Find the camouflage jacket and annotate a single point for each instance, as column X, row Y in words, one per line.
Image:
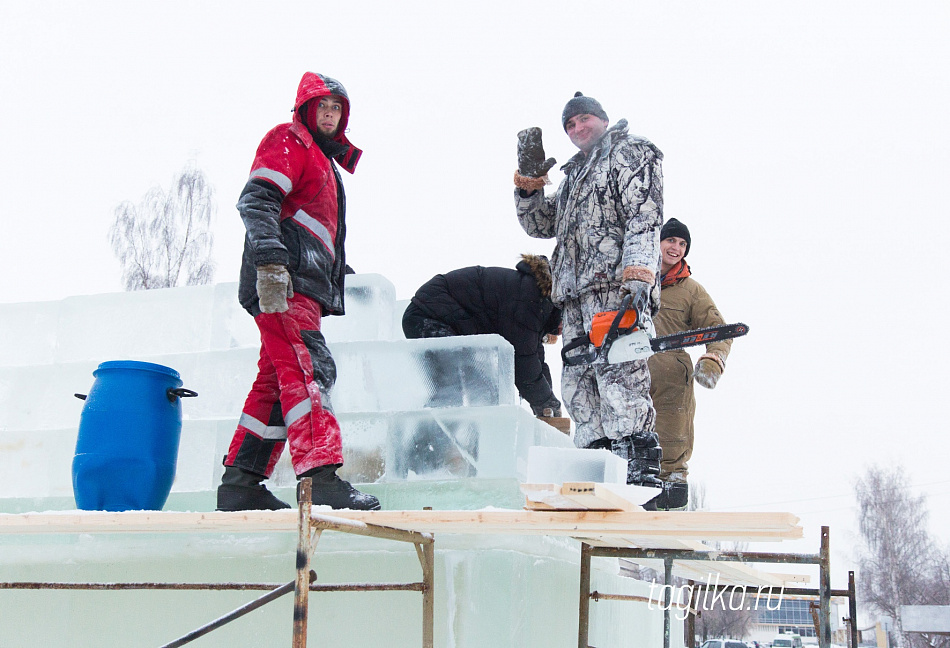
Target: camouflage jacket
column 606, row 215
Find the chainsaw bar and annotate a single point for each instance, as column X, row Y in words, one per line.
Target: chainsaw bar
column 698, row 336
column 624, row 340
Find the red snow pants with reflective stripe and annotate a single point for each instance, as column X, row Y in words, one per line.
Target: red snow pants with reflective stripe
column 289, row 400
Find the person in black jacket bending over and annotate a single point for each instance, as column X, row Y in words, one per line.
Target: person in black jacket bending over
column 515, row 304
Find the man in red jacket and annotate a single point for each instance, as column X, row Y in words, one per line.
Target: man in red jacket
column 292, row 272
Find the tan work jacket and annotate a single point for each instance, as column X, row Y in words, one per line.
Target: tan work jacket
column 684, row 305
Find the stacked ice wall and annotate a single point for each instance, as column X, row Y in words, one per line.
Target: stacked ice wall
column 425, row 423
column 410, row 410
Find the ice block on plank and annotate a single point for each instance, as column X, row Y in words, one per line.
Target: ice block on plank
column 558, row 465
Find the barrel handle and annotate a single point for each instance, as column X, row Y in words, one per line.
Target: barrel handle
column 180, row 392
column 80, row 396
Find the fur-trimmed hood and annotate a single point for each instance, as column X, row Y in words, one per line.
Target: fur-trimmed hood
column 538, row 265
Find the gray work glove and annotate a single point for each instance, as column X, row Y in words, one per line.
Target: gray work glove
column 531, row 161
column 273, row 287
column 707, row 372
column 641, row 302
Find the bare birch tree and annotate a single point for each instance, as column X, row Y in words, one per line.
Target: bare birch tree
column 167, row 237
column 898, row 563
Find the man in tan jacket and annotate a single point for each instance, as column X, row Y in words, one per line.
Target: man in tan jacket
column 684, row 305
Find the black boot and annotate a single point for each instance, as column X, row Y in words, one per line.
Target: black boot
column 643, row 459
column 241, row 490
column 329, row 490
column 675, row 497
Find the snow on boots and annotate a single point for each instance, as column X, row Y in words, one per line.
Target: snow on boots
column 329, row 490
column 242, row 490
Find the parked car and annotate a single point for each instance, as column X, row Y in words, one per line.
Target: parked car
column 787, row 641
column 724, row 643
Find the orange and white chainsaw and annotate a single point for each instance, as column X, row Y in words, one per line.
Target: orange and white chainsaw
column 618, row 336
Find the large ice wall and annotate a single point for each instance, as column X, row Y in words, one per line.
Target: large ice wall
column 397, row 425
column 405, row 441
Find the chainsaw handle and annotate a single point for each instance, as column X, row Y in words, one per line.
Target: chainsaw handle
column 580, row 359
column 612, row 333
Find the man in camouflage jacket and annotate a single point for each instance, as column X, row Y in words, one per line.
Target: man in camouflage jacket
column 606, row 217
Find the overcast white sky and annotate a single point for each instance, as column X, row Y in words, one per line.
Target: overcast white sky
column 806, row 148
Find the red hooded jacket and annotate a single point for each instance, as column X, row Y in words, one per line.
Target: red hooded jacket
column 293, row 205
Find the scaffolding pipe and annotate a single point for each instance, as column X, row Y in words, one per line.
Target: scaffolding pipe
column 356, row 527
column 268, row 587
column 791, row 591
column 583, row 616
column 231, row 616
column 667, row 599
column 633, row 598
column 690, row 629
column 428, row 593
column 302, row 583
column 824, row 587
column 724, row 556
column 244, row 587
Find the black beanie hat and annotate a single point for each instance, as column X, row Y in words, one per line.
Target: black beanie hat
column 675, row 228
column 581, row 105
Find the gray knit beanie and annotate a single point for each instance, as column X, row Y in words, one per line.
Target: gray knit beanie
column 581, row 105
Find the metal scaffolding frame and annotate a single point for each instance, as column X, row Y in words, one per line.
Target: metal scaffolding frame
column 310, row 526
column 824, row 591
column 425, row 550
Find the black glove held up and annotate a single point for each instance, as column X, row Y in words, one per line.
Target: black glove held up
column 531, row 161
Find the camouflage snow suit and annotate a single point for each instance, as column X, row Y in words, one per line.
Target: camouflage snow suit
column 606, row 215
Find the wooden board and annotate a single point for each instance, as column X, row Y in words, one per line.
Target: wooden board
column 561, row 423
column 548, row 497
column 644, row 525
column 585, row 496
column 597, row 496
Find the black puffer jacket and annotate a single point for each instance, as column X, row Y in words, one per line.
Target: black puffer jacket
column 515, row 304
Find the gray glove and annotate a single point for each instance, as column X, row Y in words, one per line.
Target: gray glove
column 273, row 287
column 707, row 372
column 640, row 302
column 531, row 162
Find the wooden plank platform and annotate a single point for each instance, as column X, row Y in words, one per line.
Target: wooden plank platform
column 644, row 529
column 646, row 526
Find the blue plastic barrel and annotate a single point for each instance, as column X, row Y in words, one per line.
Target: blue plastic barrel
column 127, row 448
